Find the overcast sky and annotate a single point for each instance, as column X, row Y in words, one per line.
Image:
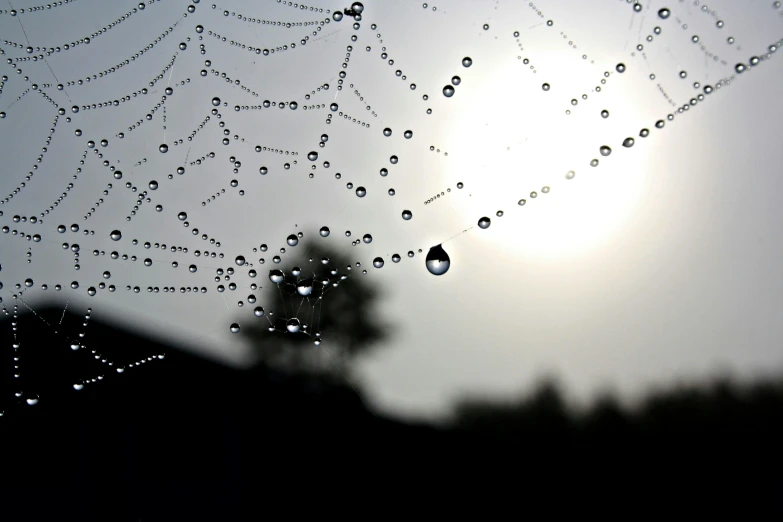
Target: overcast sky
column 660, row 264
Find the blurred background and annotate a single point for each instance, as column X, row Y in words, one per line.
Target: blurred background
column 162, row 159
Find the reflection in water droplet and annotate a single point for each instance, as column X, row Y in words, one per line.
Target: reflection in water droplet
column 437, row 260
column 305, row 287
column 484, row 222
column 292, row 325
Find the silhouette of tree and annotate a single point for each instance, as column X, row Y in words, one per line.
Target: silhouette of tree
column 343, row 316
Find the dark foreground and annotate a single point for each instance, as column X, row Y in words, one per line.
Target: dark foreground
column 185, row 439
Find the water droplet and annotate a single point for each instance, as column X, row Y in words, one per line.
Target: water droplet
column 545, row 86
column 216, row 101
column 276, row 276
column 361, row 191
column 659, row 124
column 293, row 325
column 163, row 148
column 570, row 174
column 448, row 91
column 620, row 67
column 456, row 80
column 312, row 155
column 407, row 214
column 605, row 150
column 408, row 134
column 486, row 27
column 467, row 61
column 258, row 311
column 193, row 269
column 116, row 235
column 305, row 287
column 604, row 113
column 377, row 262
column 182, row 216
column 628, row 142
column 460, row 185
column 79, row 385
column 437, row 260
column 484, row 222
column 234, row 328
column 644, row 133
column 367, row 238
column 32, row 400
column 594, row 162
column 396, row 258
column 740, row 68
column 324, row 231
column 239, row 260
column 337, row 16
column 664, row 13
column 387, row 132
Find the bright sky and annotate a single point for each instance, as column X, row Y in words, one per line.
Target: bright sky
column 660, row 264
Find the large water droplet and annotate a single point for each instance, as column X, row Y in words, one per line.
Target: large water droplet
column 484, row 222
column 664, row 13
column 437, row 260
column 292, row 325
column 276, row 276
column 116, row 235
column 163, row 148
column 448, row 91
column 239, row 260
column 628, row 142
column 377, row 262
column 292, row 240
column 324, row 231
column 235, row 328
column 467, row 61
column 312, row 155
column 605, row 150
column 407, row 214
column 305, row 287
column 361, row 191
